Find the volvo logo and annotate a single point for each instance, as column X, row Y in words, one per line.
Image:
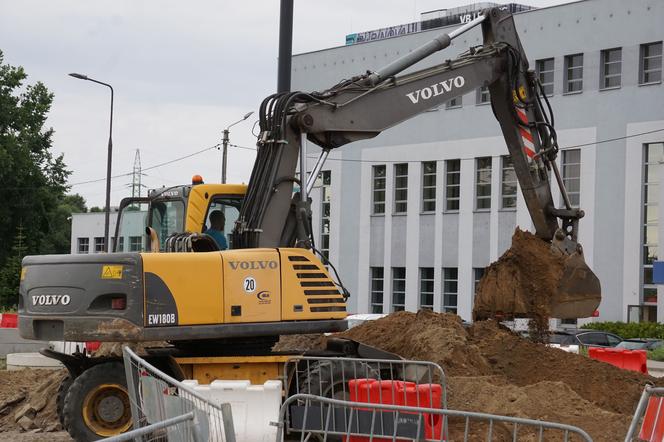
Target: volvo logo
column 253, row 265
column 51, row 300
column 436, row 89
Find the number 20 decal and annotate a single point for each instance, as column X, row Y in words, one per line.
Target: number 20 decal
column 249, row 284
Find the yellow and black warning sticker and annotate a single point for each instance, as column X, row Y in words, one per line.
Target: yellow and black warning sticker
column 111, row 272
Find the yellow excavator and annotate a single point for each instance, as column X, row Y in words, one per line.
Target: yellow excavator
column 272, row 281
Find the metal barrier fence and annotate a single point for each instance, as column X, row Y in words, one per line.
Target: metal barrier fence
column 330, row 419
column 331, row 377
column 645, row 423
column 163, row 408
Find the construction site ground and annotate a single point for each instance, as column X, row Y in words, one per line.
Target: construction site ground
column 488, row 368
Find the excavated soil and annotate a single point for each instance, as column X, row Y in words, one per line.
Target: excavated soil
column 490, row 369
column 31, row 395
column 521, row 282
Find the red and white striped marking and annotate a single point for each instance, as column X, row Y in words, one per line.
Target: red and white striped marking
column 526, row 136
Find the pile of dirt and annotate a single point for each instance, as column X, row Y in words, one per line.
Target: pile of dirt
column 28, row 400
column 299, row 343
column 522, row 281
column 438, row 338
column 492, row 370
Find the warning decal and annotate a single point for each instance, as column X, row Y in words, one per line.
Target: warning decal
column 111, row 272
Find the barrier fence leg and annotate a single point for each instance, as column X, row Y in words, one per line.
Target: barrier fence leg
column 131, row 390
column 640, row 408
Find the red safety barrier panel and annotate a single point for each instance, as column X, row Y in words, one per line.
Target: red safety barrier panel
column 652, row 428
column 399, row 393
column 91, row 346
column 634, row 360
column 9, row 320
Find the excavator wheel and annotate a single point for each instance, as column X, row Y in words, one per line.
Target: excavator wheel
column 328, row 379
column 60, row 398
column 97, row 404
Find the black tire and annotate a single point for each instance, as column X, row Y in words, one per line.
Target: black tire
column 330, row 379
column 60, row 398
column 327, row 378
column 97, row 404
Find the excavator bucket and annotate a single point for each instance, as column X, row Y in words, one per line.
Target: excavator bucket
column 579, row 292
column 537, row 279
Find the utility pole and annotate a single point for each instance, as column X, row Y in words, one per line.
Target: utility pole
column 224, row 158
column 285, row 46
column 224, row 141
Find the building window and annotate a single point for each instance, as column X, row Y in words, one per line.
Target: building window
column 426, row 288
column 135, row 243
column 573, row 73
column 483, row 96
column 378, row 190
column 478, row 273
column 544, row 69
column 483, row 183
column 450, row 289
column 452, row 185
column 650, row 64
column 326, row 176
column 571, row 165
column 83, row 245
column 377, row 274
column 428, row 186
column 99, row 244
column 454, row 103
column 653, row 155
column 119, row 246
column 398, row 289
column 401, row 188
column 611, row 68
column 508, row 183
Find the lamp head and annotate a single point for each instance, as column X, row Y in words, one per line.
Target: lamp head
column 247, row 115
column 79, row 76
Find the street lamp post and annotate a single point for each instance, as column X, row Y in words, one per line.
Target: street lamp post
column 107, row 210
column 224, row 157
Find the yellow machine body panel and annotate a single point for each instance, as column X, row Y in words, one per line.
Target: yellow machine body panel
column 183, row 288
column 308, row 292
column 257, row 369
column 199, row 200
column 238, row 286
column 252, row 283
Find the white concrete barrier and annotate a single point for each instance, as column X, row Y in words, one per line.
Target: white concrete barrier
column 254, row 406
column 19, row 361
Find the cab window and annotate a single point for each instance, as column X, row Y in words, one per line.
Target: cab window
column 167, row 217
column 593, row 339
column 220, row 220
column 131, row 228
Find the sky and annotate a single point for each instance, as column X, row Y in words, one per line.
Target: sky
column 181, row 71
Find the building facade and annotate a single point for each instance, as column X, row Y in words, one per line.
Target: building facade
column 412, row 217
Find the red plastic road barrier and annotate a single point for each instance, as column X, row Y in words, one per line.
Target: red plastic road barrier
column 373, row 391
column 652, row 428
column 634, row 360
column 8, row 320
column 91, row 346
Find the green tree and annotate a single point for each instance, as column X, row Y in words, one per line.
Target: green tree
column 33, row 180
column 10, row 273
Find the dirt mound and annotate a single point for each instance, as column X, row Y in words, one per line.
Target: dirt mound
column 493, row 370
column 428, row 336
column 299, row 343
column 27, row 399
column 522, row 281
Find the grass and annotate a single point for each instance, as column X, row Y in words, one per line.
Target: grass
column 656, row 354
column 3, row 363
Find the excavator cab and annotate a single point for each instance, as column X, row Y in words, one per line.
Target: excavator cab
column 146, row 223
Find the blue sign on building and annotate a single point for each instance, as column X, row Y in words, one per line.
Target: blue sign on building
column 658, row 272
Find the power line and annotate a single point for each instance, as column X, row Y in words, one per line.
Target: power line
column 151, row 167
column 608, row 140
